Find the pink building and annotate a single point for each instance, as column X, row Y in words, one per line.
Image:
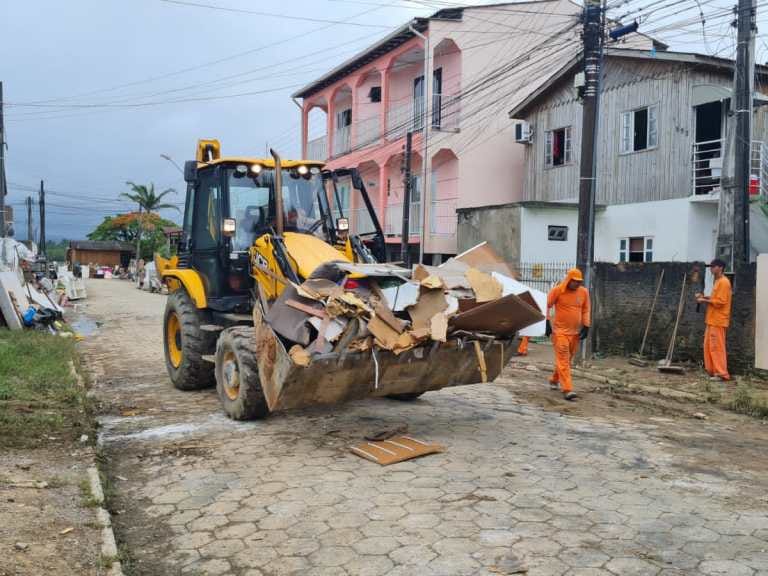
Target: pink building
column 480, row 61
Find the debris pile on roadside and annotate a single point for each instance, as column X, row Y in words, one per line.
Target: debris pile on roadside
column 346, row 307
column 27, row 299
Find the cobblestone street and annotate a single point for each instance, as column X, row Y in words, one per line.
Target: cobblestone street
column 517, row 487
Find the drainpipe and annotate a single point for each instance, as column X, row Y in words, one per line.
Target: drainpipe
column 425, row 137
column 304, row 136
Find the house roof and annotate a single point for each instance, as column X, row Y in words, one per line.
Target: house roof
column 570, row 67
column 100, row 245
column 383, row 46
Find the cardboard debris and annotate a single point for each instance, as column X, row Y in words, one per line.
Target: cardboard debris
column 361, row 345
column 307, row 309
column 430, row 303
column 485, row 286
column 387, row 316
column 451, row 273
column 432, row 282
column 503, row 316
column 395, row 449
column 386, row 336
column 299, row 355
column 438, row 327
column 319, row 288
column 401, row 297
column 485, row 258
column 379, row 269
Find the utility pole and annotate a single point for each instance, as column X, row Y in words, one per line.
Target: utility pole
column 3, row 187
column 41, row 202
column 407, row 183
column 30, row 238
column 593, row 49
column 742, row 91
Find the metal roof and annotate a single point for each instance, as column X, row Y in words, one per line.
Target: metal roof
column 101, row 245
column 383, row 46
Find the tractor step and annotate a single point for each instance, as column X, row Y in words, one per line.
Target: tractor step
column 209, row 358
column 211, row 327
column 237, row 318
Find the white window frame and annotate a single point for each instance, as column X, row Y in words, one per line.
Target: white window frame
column 567, row 147
column 627, row 129
column 648, row 246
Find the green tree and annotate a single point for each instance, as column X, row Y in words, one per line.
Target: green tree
column 125, row 228
column 148, row 202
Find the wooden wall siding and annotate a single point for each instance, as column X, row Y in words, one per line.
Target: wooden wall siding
column 96, row 257
column 659, row 174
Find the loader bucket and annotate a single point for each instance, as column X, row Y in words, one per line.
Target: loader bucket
column 334, row 378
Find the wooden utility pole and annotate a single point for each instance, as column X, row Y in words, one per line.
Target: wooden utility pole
column 3, row 186
column 41, row 203
column 593, row 48
column 30, row 237
column 407, row 183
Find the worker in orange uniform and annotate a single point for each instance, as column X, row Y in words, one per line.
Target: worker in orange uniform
column 571, row 324
column 717, row 319
column 522, row 349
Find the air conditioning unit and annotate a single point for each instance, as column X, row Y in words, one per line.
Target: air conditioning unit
column 523, row 133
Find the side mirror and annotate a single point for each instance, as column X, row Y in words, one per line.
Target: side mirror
column 229, row 226
column 342, row 224
column 190, row 171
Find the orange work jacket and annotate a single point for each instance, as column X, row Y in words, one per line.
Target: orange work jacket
column 572, row 309
column 719, row 307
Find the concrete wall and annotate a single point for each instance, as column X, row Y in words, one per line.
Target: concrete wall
column 682, row 231
column 535, row 245
column 497, row 225
column 622, row 300
column 761, row 328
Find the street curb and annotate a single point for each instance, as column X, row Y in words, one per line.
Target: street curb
column 109, row 552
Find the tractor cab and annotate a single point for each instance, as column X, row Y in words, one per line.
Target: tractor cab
column 233, row 212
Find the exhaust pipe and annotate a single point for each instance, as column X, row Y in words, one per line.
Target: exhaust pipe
column 278, row 192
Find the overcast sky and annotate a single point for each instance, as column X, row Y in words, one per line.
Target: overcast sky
column 76, row 54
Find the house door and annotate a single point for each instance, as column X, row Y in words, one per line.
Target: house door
column 418, row 102
column 708, row 147
column 437, row 97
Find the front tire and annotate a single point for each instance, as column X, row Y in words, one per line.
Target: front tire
column 237, row 375
column 186, row 344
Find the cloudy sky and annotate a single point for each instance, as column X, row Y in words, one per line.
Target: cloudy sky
column 97, row 90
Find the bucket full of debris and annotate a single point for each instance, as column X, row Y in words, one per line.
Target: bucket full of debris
column 355, row 330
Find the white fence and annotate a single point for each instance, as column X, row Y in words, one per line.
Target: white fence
column 342, row 141
column 367, row 131
column 442, row 217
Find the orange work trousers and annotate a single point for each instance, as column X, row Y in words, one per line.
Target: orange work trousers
column 522, row 350
column 715, row 357
column 564, row 347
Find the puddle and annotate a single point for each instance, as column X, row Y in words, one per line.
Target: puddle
column 213, row 423
column 85, row 326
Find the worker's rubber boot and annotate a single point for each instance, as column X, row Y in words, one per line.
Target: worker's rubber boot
column 554, row 385
column 570, row 396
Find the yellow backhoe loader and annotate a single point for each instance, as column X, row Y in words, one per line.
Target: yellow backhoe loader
column 264, row 237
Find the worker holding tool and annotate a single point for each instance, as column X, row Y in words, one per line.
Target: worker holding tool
column 571, row 324
column 717, row 319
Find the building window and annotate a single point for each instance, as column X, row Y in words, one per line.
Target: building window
column 637, row 249
column 558, row 147
column 557, row 233
column 639, row 129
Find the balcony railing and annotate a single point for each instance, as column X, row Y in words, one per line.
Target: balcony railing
column 342, row 141
column 393, row 219
column 368, row 131
column 402, row 117
column 360, row 221
column 442, row 217
column 446, row 112
column 707, row 165
column 317, row 149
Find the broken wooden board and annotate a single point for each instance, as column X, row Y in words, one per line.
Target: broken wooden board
column 394, row 450
column 299, row 355
column 430, row 303
column 386, row 336
column 451, row 274
column 485, row 286
column 438, row 327
column 289, row 322
column 504, row 316
column 386, row 315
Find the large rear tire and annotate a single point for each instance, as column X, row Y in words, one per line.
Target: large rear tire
column 186, row 344
column 237, row 375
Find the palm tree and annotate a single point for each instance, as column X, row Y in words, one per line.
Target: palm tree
column 148, row 201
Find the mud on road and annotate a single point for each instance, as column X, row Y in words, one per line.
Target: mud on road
column 525, row 480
